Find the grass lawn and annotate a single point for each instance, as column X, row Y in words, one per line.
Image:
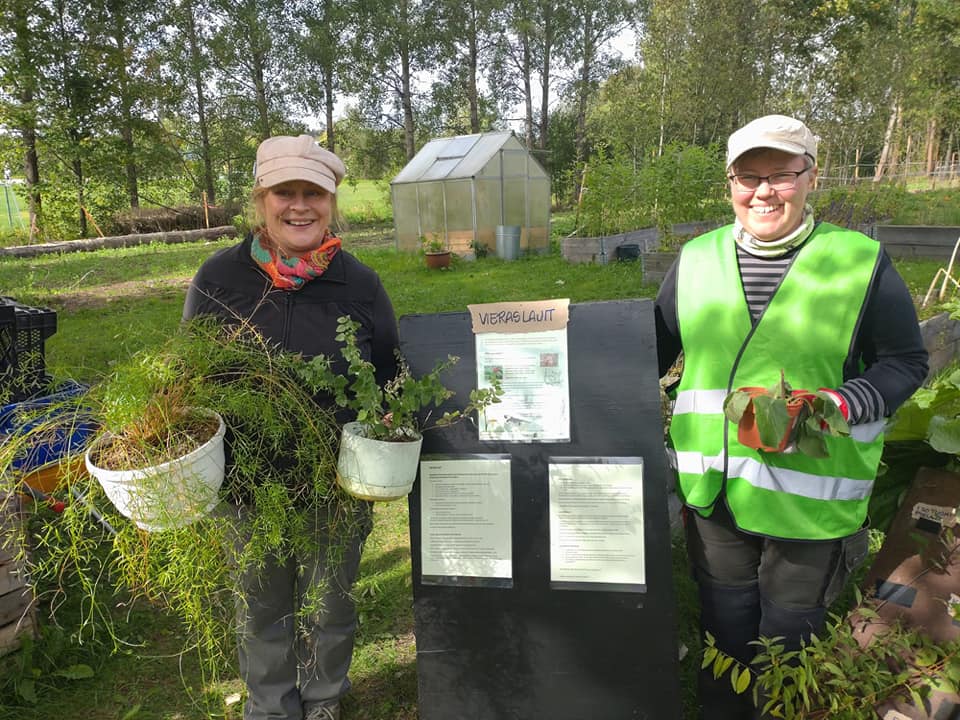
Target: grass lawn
column 111, row 303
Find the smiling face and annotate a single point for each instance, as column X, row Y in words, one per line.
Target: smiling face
column 765, row 213
column 296, row 215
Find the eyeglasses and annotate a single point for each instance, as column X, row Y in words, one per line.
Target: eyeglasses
column 777, row 181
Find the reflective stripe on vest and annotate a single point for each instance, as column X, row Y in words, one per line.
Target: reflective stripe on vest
column 806, row 330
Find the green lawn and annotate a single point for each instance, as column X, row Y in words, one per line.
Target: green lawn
column 13, row 216
column 111, row 303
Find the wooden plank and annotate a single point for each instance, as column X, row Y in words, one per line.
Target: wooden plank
column 11, row 578
column 120, row 241
column 12, row 634
column 15, row 605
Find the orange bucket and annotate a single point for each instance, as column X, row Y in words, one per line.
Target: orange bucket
column 48, row 478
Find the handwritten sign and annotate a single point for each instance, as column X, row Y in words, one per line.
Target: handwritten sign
column 520, row 317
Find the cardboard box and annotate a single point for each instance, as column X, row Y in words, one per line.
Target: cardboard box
column 917, row 579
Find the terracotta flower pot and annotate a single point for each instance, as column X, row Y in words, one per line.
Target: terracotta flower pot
column 436, row 260
column 749, row 435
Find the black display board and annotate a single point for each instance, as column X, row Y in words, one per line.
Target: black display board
column 530, row 651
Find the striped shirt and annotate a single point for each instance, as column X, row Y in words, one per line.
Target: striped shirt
column 761, row 277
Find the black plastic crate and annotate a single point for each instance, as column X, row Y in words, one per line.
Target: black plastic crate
column 23, row 331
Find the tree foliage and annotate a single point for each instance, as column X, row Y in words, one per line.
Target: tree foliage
column 106, row 106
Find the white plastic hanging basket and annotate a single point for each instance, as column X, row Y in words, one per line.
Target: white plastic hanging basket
column 375, row 469
column 169, row 495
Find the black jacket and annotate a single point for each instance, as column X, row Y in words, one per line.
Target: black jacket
column 230, row 285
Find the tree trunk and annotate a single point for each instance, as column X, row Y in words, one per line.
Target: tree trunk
column 31, row 172
column 580, row 140
column 328, row 90
column 527, row 89
column 545, row 74
column 23, row 42
column 933, row 138
column 260, row 87
column 884, row 163
column 81, row 199
column 196, row 64
column 328, row 101
column 472, row 61
column 126, row 116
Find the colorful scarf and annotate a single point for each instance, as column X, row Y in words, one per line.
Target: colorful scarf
column 778, row 247
column 292, row 273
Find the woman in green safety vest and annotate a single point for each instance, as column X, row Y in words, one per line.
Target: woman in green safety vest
column 773, row 537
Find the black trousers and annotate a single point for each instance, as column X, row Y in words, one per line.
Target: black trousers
column 751, row 586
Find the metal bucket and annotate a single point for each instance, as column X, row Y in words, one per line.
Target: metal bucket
column 508, row 242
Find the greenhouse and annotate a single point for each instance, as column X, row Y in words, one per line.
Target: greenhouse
column 471, row 191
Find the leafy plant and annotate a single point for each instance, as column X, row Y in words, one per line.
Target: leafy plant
column 836, row 675
column 390, row 413
column 480, row 249
column 808, row 417
column 932, row 414
column 432, row 244
column 282, row 449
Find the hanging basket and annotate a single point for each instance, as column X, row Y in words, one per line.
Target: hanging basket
column 376, row 469
column 168, row 495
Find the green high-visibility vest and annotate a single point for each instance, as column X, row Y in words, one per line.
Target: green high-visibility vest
column 806, row 330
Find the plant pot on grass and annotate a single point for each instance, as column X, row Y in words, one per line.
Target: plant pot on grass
column 379, row 451
column 778, row 418
column 437, row 260
column 435, row 253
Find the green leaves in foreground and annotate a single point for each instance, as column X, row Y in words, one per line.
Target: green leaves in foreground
column 833, row 676
column 932, row 414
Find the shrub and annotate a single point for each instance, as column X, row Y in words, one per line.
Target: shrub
column 683, row 184
column 854, row 206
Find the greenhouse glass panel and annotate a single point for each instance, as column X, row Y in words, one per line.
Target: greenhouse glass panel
column 406, row 217
column 514, row 163
column 430, row 196
column 515, row 202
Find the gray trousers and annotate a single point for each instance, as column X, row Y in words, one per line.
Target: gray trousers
column 291, row 663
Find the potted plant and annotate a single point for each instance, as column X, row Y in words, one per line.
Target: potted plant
column 280, row 471
column 380, row 449
column 435, row 252
column 772, row 419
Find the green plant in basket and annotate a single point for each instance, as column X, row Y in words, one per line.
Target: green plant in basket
column 280, row 473
column 390, row 413
column 380, row 449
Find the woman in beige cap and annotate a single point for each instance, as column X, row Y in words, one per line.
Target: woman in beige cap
column 291, row 279
column 773, row 537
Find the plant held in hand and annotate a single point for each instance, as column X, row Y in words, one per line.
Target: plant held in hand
column 779, row 418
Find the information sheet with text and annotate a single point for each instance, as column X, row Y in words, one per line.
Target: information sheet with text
column 596, row 522
column 466, row 518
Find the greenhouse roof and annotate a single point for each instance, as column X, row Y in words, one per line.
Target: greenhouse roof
column 451, row 158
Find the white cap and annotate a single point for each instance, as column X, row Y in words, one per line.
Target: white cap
column 773, row 131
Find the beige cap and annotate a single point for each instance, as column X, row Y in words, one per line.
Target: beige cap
column 773, row 131
column 284, row 158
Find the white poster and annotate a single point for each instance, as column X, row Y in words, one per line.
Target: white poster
column 532, row 370
column 596, row 522
column 524, row 347
column 465, row 512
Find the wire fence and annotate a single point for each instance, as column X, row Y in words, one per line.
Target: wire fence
column 945, row 172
